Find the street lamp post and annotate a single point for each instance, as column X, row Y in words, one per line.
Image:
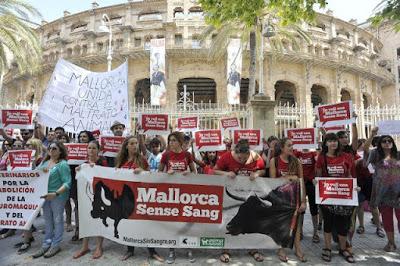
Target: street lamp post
column 266, row 31
column 105, row 28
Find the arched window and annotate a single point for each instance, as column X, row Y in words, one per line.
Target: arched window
column 203, row 89
column 285, row 92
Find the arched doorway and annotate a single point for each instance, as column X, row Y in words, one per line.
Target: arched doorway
column 318, row 95
column 203, row 89
column 345, row 95
column 142, row 91
column 285, row 92
column 244, row 90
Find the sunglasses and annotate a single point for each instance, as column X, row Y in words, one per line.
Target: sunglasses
column 53, row 148
column 17, row 146
column 387, row 141
column 25, row 134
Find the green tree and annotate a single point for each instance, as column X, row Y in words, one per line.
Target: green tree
column 246, row 18
column 387, row 10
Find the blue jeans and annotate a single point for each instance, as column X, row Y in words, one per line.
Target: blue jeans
column 53, row 212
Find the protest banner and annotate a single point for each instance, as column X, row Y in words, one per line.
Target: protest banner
column 254, row 136
column 20, row 160
column 234, row 69
column 192, row 211
column 78, row 99
column 335, row 114
column 12, row 119
column 334, row 129
column 154, row 124
column 209, row 140
column 77, row 153
column 187, row 124
column 336, row 191
column 158, row 90
column 230, row 123
column 20, row 201
column 389, row 127
column 303, row 138
column 111, row 145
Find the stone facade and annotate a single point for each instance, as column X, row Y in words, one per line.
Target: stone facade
column 340, row 63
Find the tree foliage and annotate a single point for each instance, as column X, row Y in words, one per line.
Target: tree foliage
column 19, row 43
column 387, row 10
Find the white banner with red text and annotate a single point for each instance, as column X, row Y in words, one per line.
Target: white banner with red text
column 336, row 191
column 192, row 211
column 20, row 201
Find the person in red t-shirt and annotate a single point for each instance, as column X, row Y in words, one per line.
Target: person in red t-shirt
column 286, row 165
column 333, row 163
column 241, row 161
column 308, row 159
column 208, row 162
column 130, row 157
column 176, row 159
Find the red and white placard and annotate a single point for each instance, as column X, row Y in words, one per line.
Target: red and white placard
column 111, row 145
column 335, row 114
column 254, row 136
column 209, row 140
column 21, row 119
column 336, row 191
column 77, row 153
column 20, row 160
column 230, row 123
column 96, row 134
column 303, row 138
column 335, row 129
column 154, row 124
column 187, row 124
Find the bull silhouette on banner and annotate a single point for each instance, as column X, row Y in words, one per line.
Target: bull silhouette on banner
column 273, row 214
column 106, row 205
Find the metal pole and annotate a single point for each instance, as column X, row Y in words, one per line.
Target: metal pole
column 184, row 97
column 261, row 63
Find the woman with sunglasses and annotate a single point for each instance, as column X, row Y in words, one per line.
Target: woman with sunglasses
column 53, row 207
column 130, row 157
column 93, row 150
column 386, row 183
column 332, row 162
column 241, row 161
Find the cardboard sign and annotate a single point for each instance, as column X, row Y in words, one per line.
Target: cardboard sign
column 336, row 191
column 21, row 119
column 254, row 136
column 111, row 145
column 96, row 134
column 335, row 114
column 389, row 127
column 230, row 123
column 187, row 124
column 77, row 153
column 154, row 124
column 20, row 159
column 209, row 140
column 335, row 129
column 303, row 138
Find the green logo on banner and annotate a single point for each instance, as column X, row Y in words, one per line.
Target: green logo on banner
column 212, row 242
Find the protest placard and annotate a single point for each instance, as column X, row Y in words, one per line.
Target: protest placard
column 154, row 124
column 303, row 138
column 254, row 137
column 336, row 191
column 335, row 114
column 20, row 160
column 187, row 124
column 230, row 123
column 111, row 145
column 77, row 153
column 11, row 119
column 209, row 140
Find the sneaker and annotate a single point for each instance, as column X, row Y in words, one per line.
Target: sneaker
column 171, row 257
column 40, row 252
column 190, row 256
column 51, row 252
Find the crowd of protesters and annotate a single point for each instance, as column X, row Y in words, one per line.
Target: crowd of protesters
column 337, row 157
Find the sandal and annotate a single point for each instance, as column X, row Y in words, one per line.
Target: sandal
column 347, row 255
column 389, row 247
column 282, row 257
column 256, row 255
column 301, row 258
column 360, row 230
column 326, row 254
column 225, row 257
column 24, row 248
column 315, row 238
column 81, row 253
column 380, row 233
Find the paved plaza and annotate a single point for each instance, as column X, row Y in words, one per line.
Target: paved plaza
column 367, row 247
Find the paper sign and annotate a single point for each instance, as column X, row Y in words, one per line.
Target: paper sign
column 187, row 124
column 111, row 145
column 336, row 191
column 335, row 129
column 230, row 123
column 77, row 153
column 335, row 114
column 209, row 140
column 154, row 124
column 96, row 134
column 303, row 138
column 389, row 127
column 254, row 137
column 20, row 159
column 21, row 119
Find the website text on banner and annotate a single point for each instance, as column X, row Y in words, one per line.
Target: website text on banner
column 20, row 201
column 192, row 211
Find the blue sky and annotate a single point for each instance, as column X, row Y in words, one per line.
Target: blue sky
column 344, row 9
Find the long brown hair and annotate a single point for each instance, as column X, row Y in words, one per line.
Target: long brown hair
column 293, row 162
column 123, row 155
column 63, row 151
